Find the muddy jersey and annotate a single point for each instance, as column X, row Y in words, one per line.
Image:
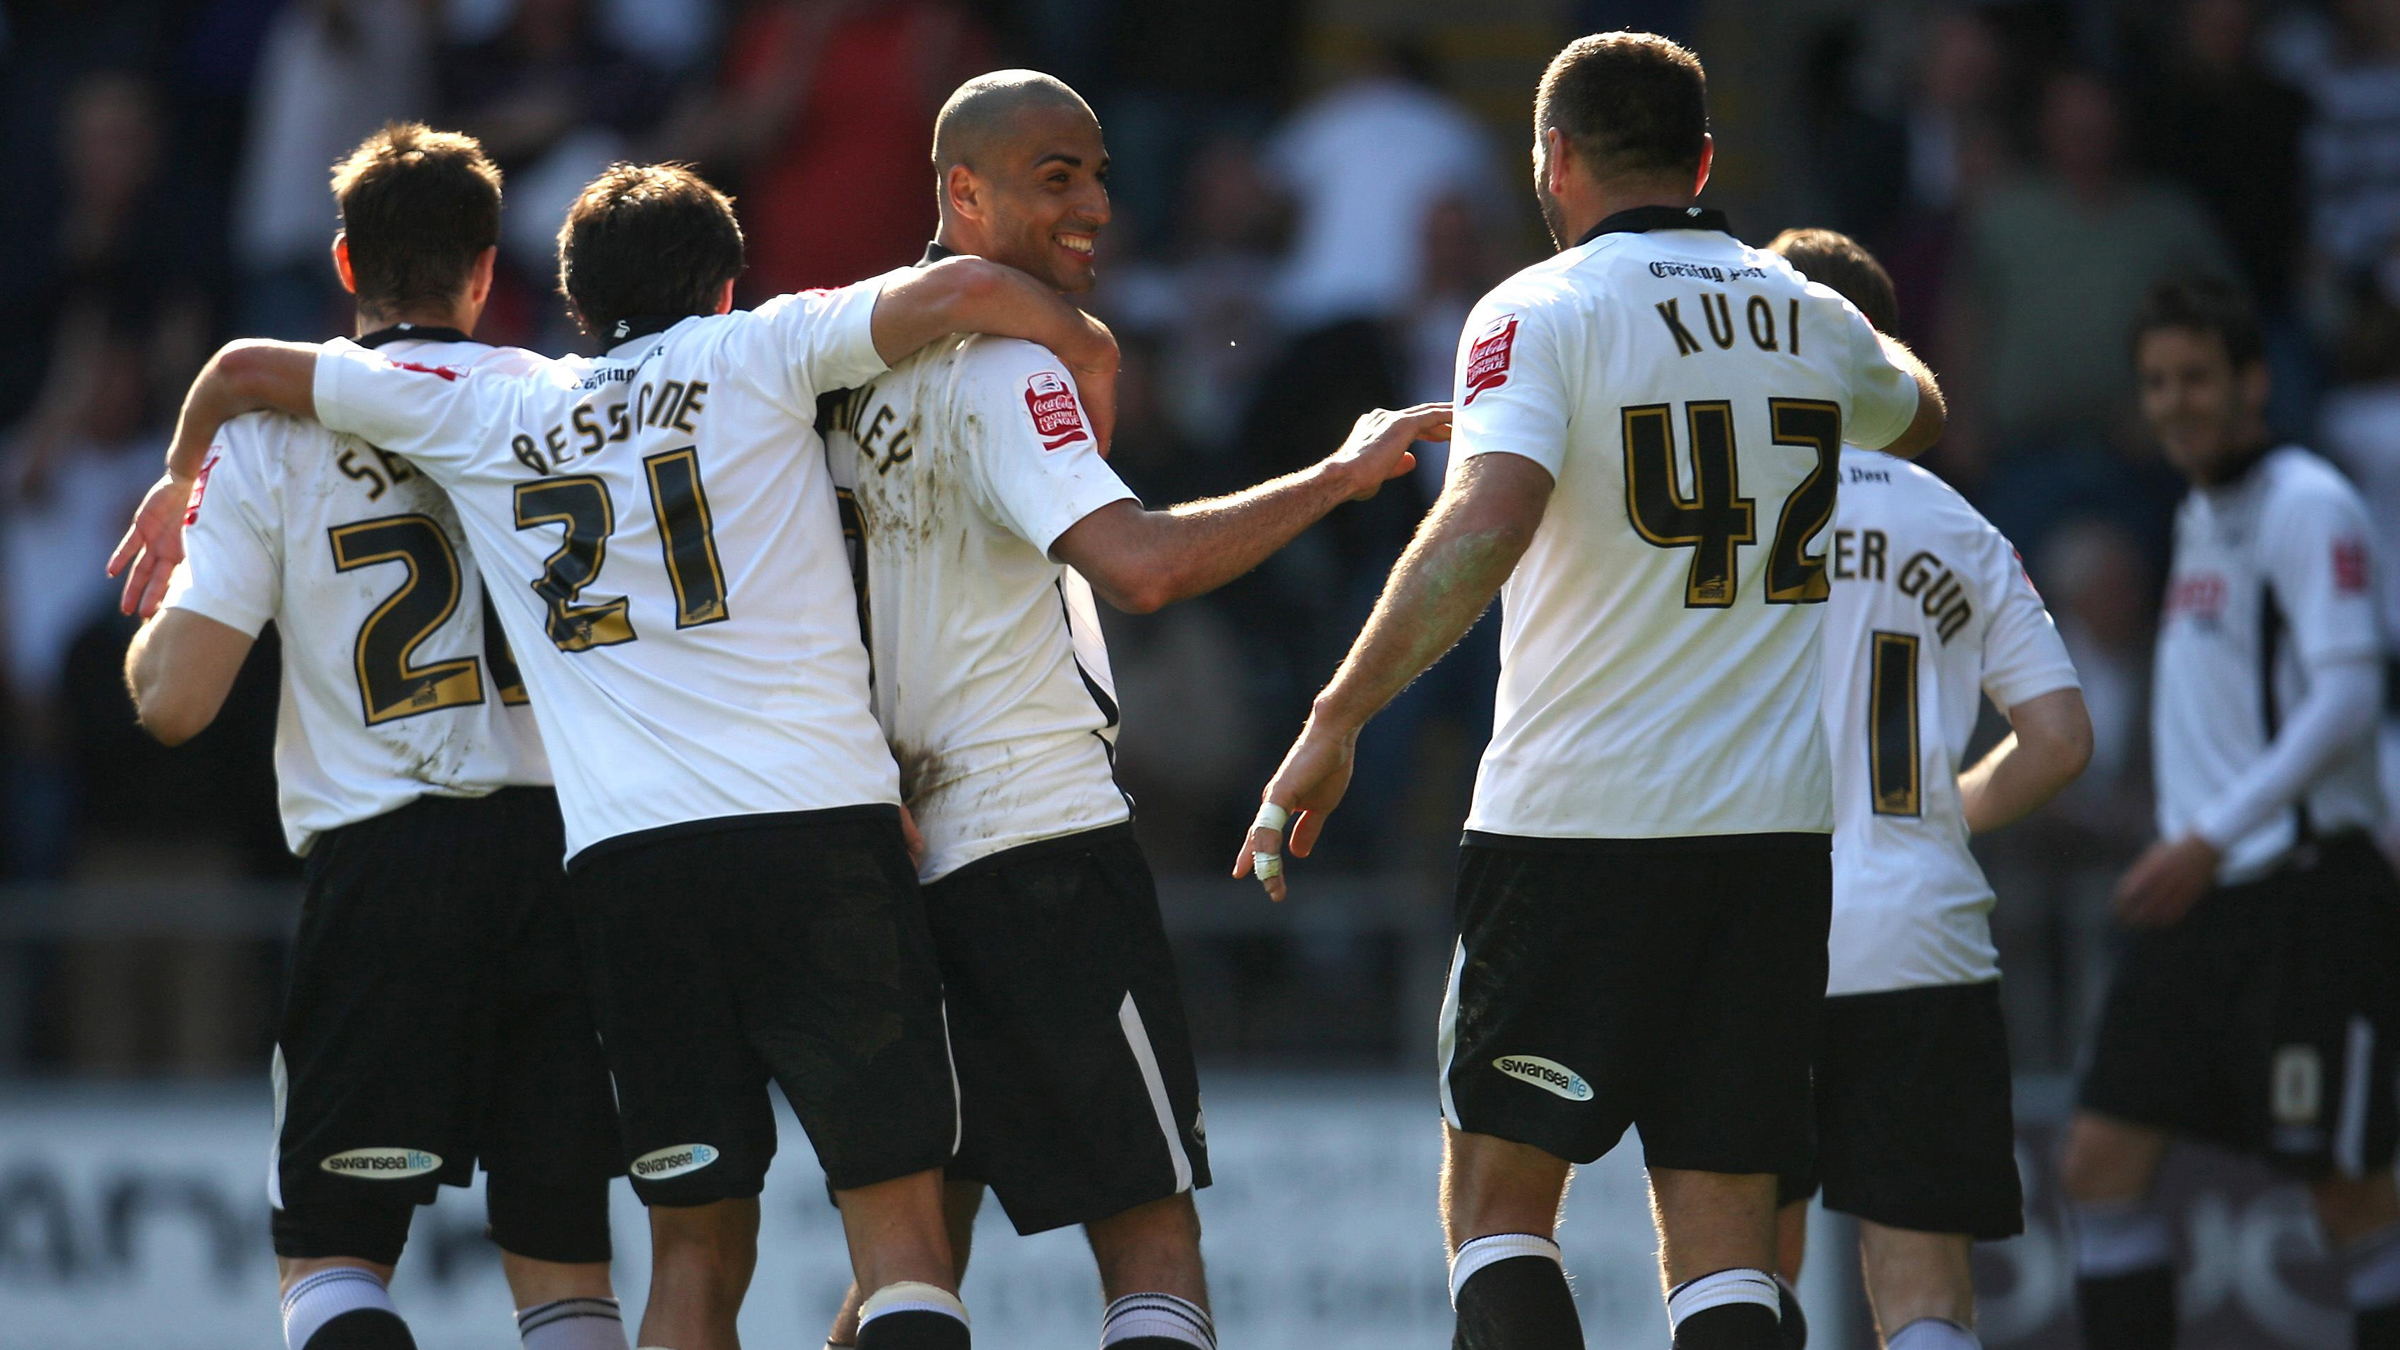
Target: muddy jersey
column 395, row 686
column 1931, row 613
column 660, row 536
column 1689, row 395
column 963, row 464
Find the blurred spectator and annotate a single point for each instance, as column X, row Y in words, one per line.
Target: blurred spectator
column 1955, row 149
column 2351, row 72
column 1362, row 162
column 1183, row 75
column 2359, row 428
column 2057, row 264
column 2217, row 123
column 332, row 71
column 823, row 117
column 554, row 101
column 1857, row 158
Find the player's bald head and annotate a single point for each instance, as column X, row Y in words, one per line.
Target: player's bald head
column 989, row 111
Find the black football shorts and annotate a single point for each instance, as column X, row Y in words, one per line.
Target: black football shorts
column 1076, row 1082
column 2267, row 1019
column 437, row 1018
column 1915, row 1126
column 1669, row 984
column 789, row 947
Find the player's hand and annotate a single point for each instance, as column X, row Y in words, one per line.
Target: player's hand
column 1314, row 775
column 152, row 545
column 914, row 836
column 1096, row 379
column 1377, row 450
column 2164, row 883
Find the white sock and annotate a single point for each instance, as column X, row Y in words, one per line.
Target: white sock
column 2371, row 1269
column 326, row 1295
column 1934, row 1333
column 1739, row 1285
column 1163, row 1316
column 2119, row 1237
column 911, row 1296
column 572, row 1324
column 1476, row 1253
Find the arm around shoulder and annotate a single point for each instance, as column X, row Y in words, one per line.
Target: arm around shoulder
column 1932, row 413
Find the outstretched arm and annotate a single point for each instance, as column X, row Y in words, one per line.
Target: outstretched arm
column 971, row 295
column 2050, row 742
column 1141, row 560
column 242, row 377
column 1478, row 530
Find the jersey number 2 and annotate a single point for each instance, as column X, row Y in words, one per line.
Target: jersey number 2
column 686, row 535
column 389, row 686
column 1715, row 519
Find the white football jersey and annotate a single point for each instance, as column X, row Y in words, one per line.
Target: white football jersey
column 394, row 687
column 660, row 535
column 2273, row 573
column 1931, row 611
column 991, row 678
column 1659, row 666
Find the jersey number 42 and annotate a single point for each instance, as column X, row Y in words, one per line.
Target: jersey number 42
column 1715, row 519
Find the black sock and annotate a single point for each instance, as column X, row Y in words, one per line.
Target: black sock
column 913, row 1331
column 1795, row 1323
column 1520, row 1303
column 363, row 1329
column 2132, row 1311
column 1730, row 1326
column 2378, row 1328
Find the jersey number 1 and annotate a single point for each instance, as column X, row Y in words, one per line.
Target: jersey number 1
column 1715, row 519
column 686, row 535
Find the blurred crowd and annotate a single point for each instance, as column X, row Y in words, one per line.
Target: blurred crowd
column 1308, row 197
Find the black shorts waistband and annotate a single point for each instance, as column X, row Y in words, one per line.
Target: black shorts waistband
column 765, row 820
column 1121, row 832
column 1795, row 840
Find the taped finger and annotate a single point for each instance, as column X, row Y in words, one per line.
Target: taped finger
column 1266, row 866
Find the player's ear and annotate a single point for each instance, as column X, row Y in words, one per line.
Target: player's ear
column 479, row 277
column 341, row 261
column 961, row 193
column 1708, row 158
column 725, row 297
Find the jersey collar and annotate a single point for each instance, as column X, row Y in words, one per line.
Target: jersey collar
column 634, row 326
column 411, row 332
column 935, row 253
column 1642, row 219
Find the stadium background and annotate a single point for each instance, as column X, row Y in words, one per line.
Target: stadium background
column 1309, row 194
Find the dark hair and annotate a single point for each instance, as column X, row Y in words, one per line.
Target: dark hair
column 418, row 206
column 2203, row 304
column 647, row 241
column 1632, row 103
column 1831, row 258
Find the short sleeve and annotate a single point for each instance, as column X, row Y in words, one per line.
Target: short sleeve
column 433, row 414
column 232, row 569
column 2318, row 549
column 2023, row 656
column 1037, row 469
column 1883, row 396
column 1510, row 393
column 808, row 343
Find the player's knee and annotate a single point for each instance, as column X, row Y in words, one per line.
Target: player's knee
column 1492, row 1185
column 2350, row 1208
column 718, row 1239
column 563, row 1225
column 1155, row 1246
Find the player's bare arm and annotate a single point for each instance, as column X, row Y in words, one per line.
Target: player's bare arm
column 179, row 669
column 1141, row 560
column 971, row 295
column 2049, row 743
column 1467, row 547
column 243, row 376
column 1932, row 412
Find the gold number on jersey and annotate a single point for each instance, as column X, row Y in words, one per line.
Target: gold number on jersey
column 582, row 505
column 389, row 687
column 1714, row 519
column 505, row 676
column 687, row 535
column 1892, row 724
column 1793, row 577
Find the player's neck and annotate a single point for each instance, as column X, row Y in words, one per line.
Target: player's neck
column 1589, row 208
column 460, row 317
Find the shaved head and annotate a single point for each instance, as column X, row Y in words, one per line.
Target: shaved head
column 987, row 111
